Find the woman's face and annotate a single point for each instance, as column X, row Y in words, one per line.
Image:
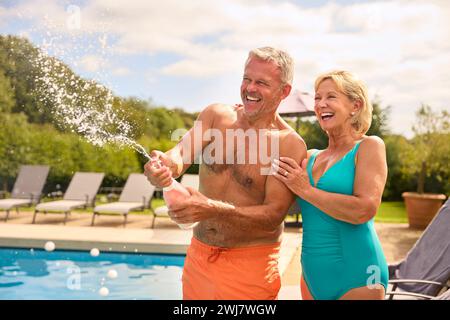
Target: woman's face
column 333, row 108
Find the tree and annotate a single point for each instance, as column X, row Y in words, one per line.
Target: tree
column 316, row 138
column 312, row 133
column 7, row 100
column 430, row 151
column 379, row 126
column 397, row 146
column 14, row 140
column 18, row 62
column 34, row 85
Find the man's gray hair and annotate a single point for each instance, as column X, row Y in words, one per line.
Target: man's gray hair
column 281, row 58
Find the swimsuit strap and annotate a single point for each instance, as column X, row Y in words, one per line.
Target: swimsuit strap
column 310, row 164
column 312, row 159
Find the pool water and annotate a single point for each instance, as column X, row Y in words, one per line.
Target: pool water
column 38, row 274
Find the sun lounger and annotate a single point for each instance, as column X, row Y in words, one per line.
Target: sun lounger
column 426, row 269
column 294, row 209
column 136, row 195
column 80, row 194
column 27, row 189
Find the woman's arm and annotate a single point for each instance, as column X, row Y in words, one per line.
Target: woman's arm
column 370, row 179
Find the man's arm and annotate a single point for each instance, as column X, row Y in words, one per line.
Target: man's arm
column 182, row 156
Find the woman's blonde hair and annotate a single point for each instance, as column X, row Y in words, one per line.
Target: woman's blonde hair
column 355, row 90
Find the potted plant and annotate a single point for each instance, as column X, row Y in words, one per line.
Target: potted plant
column 429, row 154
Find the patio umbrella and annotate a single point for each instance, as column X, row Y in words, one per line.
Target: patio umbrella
column 296, row 105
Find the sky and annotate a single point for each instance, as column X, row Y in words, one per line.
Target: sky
column 189, row 54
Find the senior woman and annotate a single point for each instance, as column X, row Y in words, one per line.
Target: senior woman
column 339, row 190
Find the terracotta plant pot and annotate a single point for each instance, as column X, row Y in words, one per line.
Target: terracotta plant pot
column 422, row 208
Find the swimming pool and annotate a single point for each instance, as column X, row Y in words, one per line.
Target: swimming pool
column 38, row 274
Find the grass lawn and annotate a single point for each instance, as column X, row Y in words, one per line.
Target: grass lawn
column 390, row 212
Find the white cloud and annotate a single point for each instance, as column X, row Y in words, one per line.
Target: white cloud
column 92, row 63
column 205, row 61
column 3, row 16
column 45, row 13
column 121, row 71
column 400, row 48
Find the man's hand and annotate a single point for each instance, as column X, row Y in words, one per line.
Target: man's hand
column 162, row 158
column 157, row 170
column 196, row 208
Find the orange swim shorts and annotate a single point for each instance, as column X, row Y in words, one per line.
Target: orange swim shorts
column 245, row 273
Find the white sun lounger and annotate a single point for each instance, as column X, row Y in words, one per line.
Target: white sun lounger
column 27, row 189
column 81, row 193
column 187, row 180
column 136, row 195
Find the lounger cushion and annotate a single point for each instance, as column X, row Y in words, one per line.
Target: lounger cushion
column 61, row 205
column 6, row 204
column 119, row 207
column 163, row 210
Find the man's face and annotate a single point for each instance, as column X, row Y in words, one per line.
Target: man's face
column 261, row 88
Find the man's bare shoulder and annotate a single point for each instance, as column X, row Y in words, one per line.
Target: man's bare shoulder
column 292, row 144
column 290, row 136
column 217, row 111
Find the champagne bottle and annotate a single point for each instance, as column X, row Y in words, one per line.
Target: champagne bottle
column 174, row 193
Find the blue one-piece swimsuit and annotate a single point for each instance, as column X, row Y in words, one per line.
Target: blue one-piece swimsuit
column 338, row 256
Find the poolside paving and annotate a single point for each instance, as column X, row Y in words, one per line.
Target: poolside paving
column 109, row 234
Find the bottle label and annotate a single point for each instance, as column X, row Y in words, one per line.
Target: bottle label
column 169, row 188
